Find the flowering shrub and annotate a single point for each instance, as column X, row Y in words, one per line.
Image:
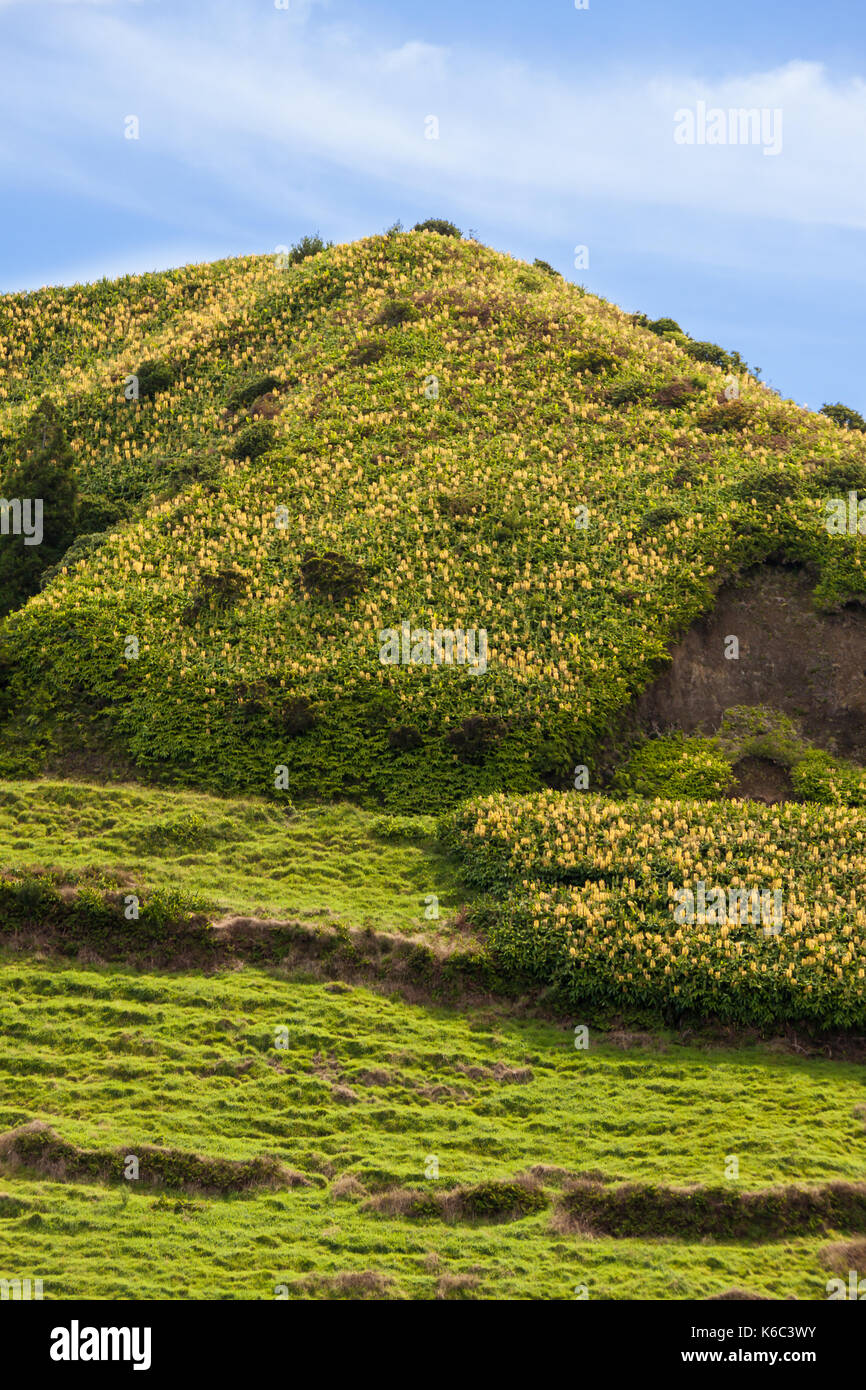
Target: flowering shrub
column 587, row 889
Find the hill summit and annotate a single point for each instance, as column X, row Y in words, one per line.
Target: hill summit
column 402, row 522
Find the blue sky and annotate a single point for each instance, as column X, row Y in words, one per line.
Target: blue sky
column 556, row 129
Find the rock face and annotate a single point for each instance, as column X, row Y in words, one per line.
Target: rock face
column 809, row 665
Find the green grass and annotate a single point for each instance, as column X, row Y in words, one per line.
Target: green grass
column 337, row 863
column 372, row 1086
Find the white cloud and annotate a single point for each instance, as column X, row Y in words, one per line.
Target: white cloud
column 414, row 57
column 246, row 105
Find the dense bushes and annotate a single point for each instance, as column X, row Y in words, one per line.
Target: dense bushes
column 42, row 483
column 308, row 246
column 246, row 392
column 701, row 767
column 587, row 899
column 254, row 440
column 676, row 766
column 153, row 377
column 441, row 485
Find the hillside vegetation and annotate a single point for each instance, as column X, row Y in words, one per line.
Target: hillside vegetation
column 410, row 429
column 401, row 975
column 377, row 1149
column 587, row 891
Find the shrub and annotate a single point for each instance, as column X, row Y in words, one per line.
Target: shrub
column 495, row 1201
column 845, row 476
column 297, row 716
column 154, row 376
column 594, row 361
column 97, row 514
column 733, row 415
column 396, row 311
column 510, row 525
column 405, row 737
column 546, row 267
column 365, row 354
column 462, row 503
column 676, row 393
column 404, row 827
column 715, row 355
column 44, row 469
column 254, row 441
column 757, row 731
column 332, row 574
column 215, row 590
column 676, row 766
column 658, row 516
column 80, row 549
column 584, row 891
column 628, row 390
column 308, row 246
column 248, row 391
column 768, row 488
column 825, row 779
column 843, row 415
column 476, row 737
column 661, row 326
column 438, row 225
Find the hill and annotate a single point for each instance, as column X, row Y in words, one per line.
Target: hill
column 330, row 462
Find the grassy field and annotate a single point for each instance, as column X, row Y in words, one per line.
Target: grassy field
column 366, row 1092
column 336, row 863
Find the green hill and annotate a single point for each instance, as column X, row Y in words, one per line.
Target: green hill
column 408, row 430
column 563, row 1040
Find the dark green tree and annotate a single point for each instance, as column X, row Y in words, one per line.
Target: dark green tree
column 39, row 469
column 843, row 415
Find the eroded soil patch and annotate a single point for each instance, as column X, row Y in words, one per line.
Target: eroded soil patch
column 810, row 665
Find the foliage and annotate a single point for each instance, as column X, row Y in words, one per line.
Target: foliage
column 591, row 903
column 438, row 225
column 680, row 765
column 411, row 489
column 80, row 549
column 308, row 246
column 154, row 377
column 254, row 440
column 248, row 391
column 676, row 766
column 661, row 326
column 844, row 416
column 44, row 475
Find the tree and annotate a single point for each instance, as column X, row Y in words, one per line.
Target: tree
column 844, row 416
column 437, row 224
column 39, row 472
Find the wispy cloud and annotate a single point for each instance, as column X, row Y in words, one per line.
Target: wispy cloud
column 242, row 105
